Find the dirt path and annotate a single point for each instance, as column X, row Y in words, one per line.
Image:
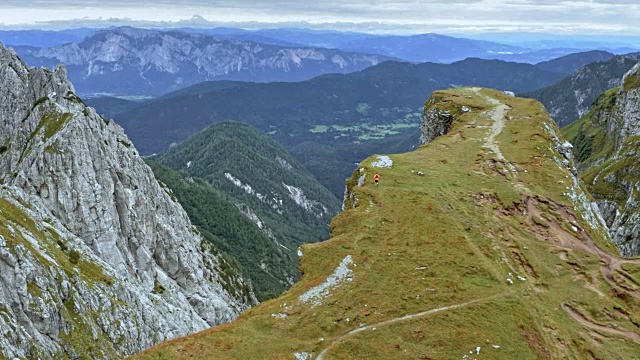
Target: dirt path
column 611, row 266
column 498, row 115
column 590, row 324
column 611, row 263
column 397, row 320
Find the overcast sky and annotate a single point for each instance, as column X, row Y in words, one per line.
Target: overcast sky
column 445, row 16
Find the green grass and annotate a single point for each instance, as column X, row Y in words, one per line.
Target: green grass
column 450, row 237
column 631, row 82
column 124, row 143
column 52, row 122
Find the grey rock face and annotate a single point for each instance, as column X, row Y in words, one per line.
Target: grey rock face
column 105, row 251
column 132, row 61
column 435, row 122
column 616, row 183
column 570, row 98
column 624, row 218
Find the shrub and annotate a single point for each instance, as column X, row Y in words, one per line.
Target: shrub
column 63, row 246
column 74, row 257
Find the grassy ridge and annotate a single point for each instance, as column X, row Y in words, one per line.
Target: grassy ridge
column 450, row 249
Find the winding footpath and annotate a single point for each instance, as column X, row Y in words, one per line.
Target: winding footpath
column 399, row 319
column 498, row 115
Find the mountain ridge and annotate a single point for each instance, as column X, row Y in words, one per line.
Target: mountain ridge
column 267, row 187
column 493, row 248
column 132, row 61
column 572, row 62
column 571, row 97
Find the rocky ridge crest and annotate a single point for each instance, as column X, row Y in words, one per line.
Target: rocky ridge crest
column 97, row 257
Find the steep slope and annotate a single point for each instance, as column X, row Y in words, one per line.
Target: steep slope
column 607, row 147
column 129, row 61
column 265, row 182
column 235, row 230
column 97, row 260
column 346, row 117
column 570, row 63
column 494, row 252
column 571, row 97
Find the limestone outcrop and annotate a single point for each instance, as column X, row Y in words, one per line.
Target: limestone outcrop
column 97, row 258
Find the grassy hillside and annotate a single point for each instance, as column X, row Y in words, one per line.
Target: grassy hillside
column 493, row 253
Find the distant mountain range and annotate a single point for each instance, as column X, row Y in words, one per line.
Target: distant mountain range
column 570, row 98
column 428, row 47
column 129, row 61
column 330, row 122
column 134, row 62
column 424, row 47
column 43, row 38
column 569, row 63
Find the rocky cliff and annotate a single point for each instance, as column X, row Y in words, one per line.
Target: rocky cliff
column 129, row 61
column 437, row 119
column 97, row 259
column 607, row 146
column 570, row 99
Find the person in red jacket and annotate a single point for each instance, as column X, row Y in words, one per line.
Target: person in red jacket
column 376, row 178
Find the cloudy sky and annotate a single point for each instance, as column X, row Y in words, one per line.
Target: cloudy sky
column 409, row 16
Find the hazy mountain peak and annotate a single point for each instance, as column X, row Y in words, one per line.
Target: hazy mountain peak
column 130, row 61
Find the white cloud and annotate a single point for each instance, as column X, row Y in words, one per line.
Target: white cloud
column 583, row 16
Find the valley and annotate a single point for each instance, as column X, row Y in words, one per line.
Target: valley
column 329, row 123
